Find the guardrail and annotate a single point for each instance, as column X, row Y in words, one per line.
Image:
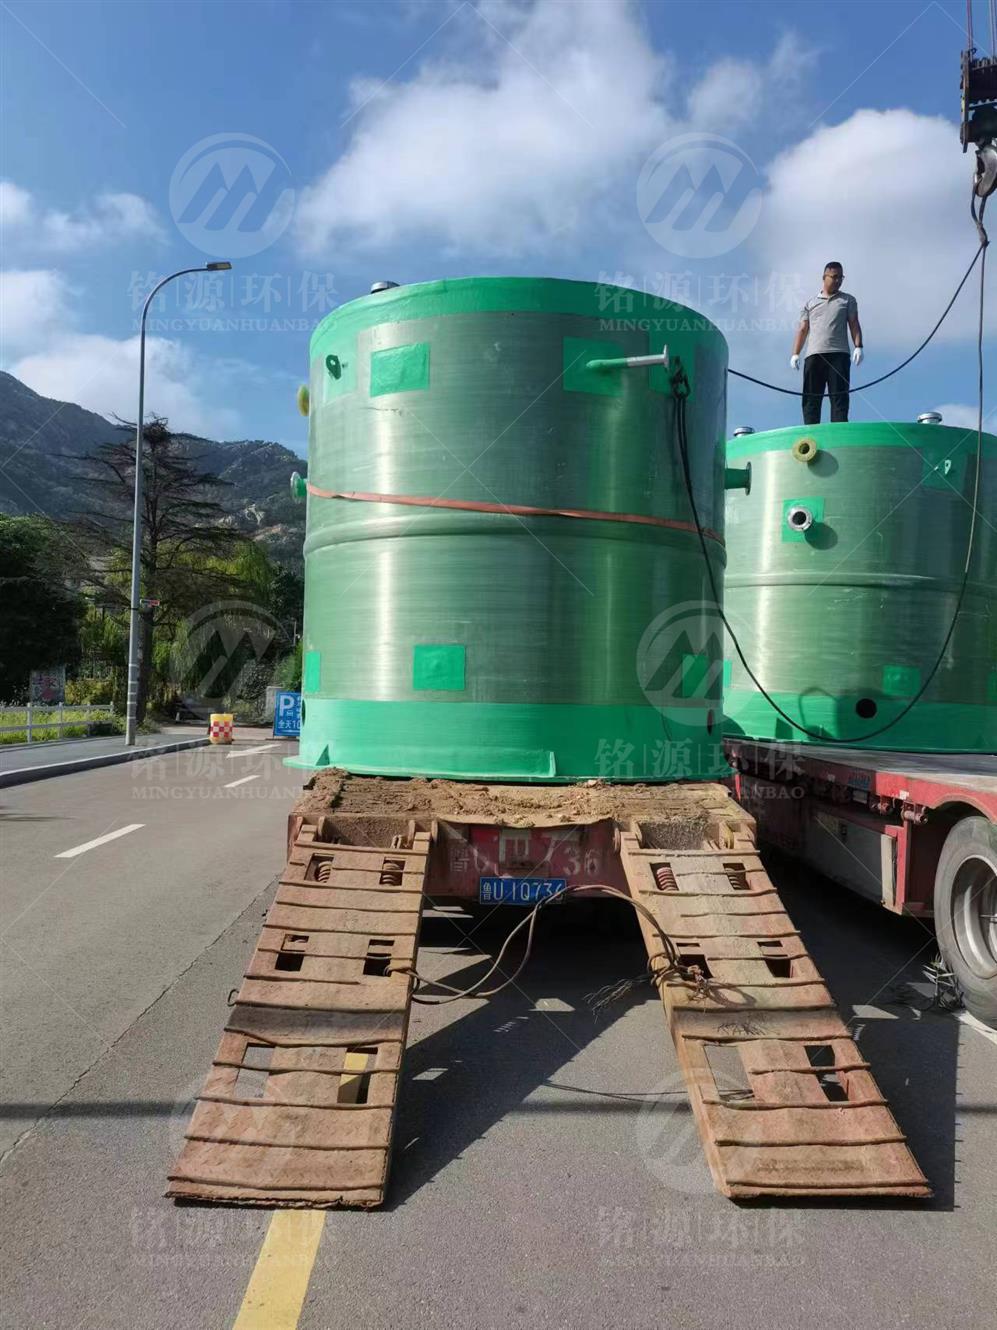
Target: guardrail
column 27, row 718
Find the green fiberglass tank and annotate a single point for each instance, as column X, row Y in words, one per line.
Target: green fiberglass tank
column 450, row 628
column 845, row 562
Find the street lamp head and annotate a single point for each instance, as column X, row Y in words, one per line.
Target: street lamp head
column 222, row 265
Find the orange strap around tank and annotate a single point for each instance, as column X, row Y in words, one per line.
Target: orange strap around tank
column 515, row 509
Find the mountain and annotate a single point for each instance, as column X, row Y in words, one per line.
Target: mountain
column 40, row 438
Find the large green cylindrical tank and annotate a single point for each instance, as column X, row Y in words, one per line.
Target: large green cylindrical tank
column 459, row 642
column 845, row 562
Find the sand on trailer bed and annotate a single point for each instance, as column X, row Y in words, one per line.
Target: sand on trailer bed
column 339, row 793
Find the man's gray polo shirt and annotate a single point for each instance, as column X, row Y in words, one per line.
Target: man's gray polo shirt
column 828, row 318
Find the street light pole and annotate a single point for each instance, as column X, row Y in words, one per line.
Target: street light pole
column 131, row 704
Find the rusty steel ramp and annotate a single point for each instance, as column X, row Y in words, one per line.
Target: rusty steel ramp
column 784, row 1102
column 299, row 1104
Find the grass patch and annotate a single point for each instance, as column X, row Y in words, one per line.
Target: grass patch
column 78, row 723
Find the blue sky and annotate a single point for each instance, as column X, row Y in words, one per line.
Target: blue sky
column 419, row 140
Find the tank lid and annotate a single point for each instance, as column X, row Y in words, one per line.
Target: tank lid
column 930, row 418
column 381, row 286
column 741, row 430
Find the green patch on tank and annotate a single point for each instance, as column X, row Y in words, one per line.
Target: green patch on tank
column 339, row 372
column 399, row 369
column 312, row 674
column 992, row 686
column 901, row 680
column 728, row 671
column 577, row 378
column 945, row 470
column 438, row 667
column 816, row 507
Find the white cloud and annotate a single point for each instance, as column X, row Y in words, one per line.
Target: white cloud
column 734, row 92
column 101, row 374
column 110, row 218
column 37, row 317
column 964, row 416
column 534, row 140
column 558, row 111
column 886, row 193
column 15, row 204
column 34, row 304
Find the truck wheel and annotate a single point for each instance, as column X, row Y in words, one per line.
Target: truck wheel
column 966, row 912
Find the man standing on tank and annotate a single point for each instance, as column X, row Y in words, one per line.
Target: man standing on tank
column 825, row 322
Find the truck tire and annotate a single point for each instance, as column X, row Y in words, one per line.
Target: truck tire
column 966, row 913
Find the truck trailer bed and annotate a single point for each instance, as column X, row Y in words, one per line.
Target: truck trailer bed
column 974, row 771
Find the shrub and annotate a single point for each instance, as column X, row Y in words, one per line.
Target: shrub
column 89, row 691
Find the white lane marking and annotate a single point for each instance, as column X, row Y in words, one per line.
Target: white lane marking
column 100, row 840
column 233, row 783
column 966, row 1019
column 245, row 752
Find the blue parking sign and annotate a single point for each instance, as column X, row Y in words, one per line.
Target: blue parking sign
column 286, row 715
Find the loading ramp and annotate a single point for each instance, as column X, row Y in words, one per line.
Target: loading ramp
column 784, row 1101
column 299, row 1104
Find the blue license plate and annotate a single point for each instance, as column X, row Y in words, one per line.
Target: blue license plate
column 518, row 890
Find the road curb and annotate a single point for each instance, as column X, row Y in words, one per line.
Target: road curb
column 23, row 775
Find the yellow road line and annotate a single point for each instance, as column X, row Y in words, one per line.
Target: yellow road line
column 283, row 1268
column 279, row 1281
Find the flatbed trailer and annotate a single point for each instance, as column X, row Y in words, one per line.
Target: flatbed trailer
column 916, row 832
column 299, row 1105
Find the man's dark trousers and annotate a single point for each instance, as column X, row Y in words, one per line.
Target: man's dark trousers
column 830, row 371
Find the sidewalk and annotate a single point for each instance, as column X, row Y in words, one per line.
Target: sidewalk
column 26, row 762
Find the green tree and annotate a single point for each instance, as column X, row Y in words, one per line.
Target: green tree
column 42, row 609
column 190, row 546
column 288, row 672
column 287, row 600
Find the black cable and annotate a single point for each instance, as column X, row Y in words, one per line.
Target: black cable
column 669, row 954
column 861, row 387
column 680, row 382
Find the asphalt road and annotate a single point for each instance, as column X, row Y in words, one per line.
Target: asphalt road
column 20, row 756
column 547, row 1171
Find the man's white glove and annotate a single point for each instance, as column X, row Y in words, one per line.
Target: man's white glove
column 794, row 362
column 857, row 356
